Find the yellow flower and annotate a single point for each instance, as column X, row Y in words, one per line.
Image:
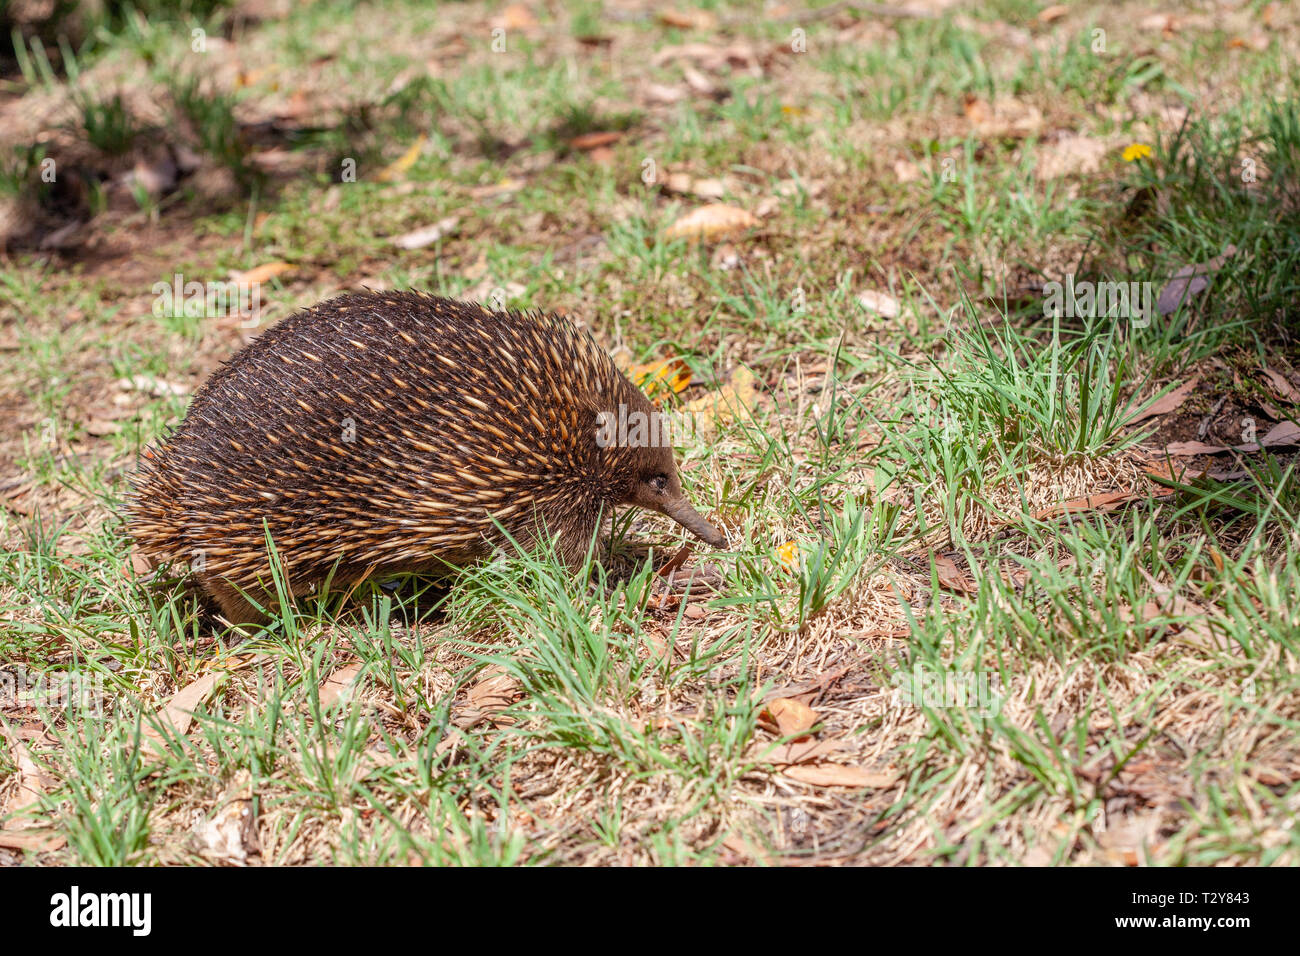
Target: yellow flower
column 1136, row 151
column 788, row 555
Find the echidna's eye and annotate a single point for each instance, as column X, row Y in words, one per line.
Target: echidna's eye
column 659, row 483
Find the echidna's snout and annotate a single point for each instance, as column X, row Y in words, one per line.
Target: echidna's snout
column 680, row 510
column 658, row 488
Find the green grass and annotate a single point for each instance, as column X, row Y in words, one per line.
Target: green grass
column 1107, row 671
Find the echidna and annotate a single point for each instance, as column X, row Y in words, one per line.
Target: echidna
column 396, row 431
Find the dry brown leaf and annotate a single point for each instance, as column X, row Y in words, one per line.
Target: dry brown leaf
column 676, row 561
column 800, row 751
column 977, row 110
column 594, row 140
column 1194, row 628
column 711, row 222
column 1106, row 501
column 178, row 713
column 493, row 694
column 659, row 93
column 264, row 273
column 32, row 780
column 32, row 783
column 1282, row 435
column 687, row 19
column 38, row 841
column 338, row 684
column 1052, row 13
column 1256, row 41
column 697, row 81
column 837, row 775
column 1282, row 388
column 1166, row 403
column 140, row 562
column 792, row 716
column 951, row 577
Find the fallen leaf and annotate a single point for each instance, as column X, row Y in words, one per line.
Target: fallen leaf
column 676, row 561
column 1007, row 117
column 1106, row 501
column 338, row 685
column 263, row 273
column 395, row 170
column 951, row 577
column 516, row 17
column 1189, row 281
column 724, row 404
column 687, row 19
column 837, row 775
column 667, row 375
column 38, row 841
column 32, row 780
column 799, row 751
column 1052, row 13
column 1282, row 388
column 1282, row 435
column 428, row 235
column 1165, row 404
column 697, row 81
column 686, row 184
column 593, row 140
column 906, row 172
column 977, row 110
column 178, row 713
column 1256, row 41
column 792, row 717
column 711, row 222
column 494, row 693
column 140, row 562
column 659, row 93
column 881, row 304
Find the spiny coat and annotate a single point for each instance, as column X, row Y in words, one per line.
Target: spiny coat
column 386, row 432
